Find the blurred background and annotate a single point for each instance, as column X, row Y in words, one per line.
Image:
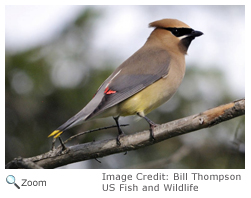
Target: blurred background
column 57, row 56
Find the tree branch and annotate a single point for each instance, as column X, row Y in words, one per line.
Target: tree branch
column 92, row 150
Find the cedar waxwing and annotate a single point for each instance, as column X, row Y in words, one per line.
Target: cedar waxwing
column 144, row 81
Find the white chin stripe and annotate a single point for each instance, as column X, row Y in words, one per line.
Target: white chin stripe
column 182, row 37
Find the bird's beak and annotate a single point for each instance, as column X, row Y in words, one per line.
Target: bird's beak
column 195, row 33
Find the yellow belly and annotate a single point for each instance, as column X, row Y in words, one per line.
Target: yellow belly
column 151, row 97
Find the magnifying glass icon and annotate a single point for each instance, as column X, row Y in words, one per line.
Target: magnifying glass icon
column 11, row 180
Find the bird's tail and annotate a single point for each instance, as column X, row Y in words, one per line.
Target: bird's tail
column 82, row 115
column 73, row 121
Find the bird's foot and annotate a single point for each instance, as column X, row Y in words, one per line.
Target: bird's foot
column 62, row 144
column 152, row 126
column 121, row 134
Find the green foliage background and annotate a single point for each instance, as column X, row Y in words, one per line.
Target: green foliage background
column 37, row 103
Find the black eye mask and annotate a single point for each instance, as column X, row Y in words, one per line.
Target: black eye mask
column 180, row 31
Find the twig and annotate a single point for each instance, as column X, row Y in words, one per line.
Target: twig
column 93, row 130
column 91, row 150
column 22, row 163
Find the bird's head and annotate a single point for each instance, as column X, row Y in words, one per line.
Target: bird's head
column 172, row 32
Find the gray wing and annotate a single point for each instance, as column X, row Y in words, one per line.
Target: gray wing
column 138, row 72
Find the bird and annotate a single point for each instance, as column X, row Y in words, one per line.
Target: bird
column 144, row 81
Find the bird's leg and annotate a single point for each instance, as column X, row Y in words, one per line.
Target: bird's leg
column 151, row 123
column 62, row 144
column 121, row 133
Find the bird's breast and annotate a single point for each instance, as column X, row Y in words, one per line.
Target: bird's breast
column 154, row 95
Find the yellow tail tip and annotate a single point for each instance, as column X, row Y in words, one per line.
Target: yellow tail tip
column 55, row 133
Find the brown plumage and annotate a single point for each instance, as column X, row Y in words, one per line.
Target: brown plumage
column 145, row 80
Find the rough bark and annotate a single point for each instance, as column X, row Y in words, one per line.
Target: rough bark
column 91, row 150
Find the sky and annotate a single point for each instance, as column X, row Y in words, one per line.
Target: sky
column 223, row 41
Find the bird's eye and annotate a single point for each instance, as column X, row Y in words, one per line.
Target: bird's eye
column 180, row 31
column 175, row 32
